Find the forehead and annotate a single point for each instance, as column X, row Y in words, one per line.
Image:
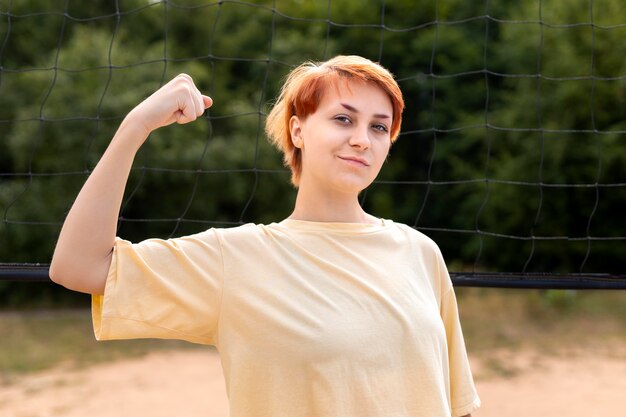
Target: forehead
column 367, row 95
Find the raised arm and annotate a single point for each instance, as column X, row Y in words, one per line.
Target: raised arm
column 82, row 256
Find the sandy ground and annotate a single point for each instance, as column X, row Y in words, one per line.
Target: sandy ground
column 189, row 384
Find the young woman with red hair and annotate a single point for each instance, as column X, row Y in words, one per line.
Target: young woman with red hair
column 330, row 312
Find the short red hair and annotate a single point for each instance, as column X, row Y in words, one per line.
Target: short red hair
column 303, row 91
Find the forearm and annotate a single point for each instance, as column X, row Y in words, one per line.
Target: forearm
column 83, row 253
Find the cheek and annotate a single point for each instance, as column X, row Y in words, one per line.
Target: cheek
column 383, row 151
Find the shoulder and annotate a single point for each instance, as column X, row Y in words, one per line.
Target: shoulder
column 429, row 257
column 246, row 235
column 424, row 248
column 416, row 237
column 206, row 237
column 248, row 230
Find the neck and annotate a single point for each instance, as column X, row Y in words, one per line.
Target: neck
column 329, row 207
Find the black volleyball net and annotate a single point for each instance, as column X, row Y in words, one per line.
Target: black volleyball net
column 511, row 156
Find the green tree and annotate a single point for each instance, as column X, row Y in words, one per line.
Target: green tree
column 476, row 109
column 550, row 138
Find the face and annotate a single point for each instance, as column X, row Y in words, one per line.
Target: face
column 345, row 142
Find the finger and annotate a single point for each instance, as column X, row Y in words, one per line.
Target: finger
column 194, row 101
column 207, row 101
column 198, row 101
column 185, row 76
column 186, row 110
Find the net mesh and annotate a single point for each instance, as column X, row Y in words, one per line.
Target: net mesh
column 511, row 155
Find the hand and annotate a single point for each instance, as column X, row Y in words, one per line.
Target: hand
column 177, row 101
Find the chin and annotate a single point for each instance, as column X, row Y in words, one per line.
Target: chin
column 352, row 187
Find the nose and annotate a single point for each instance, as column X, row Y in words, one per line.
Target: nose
column 360, row 138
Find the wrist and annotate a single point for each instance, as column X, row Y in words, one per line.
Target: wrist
column 131, row 133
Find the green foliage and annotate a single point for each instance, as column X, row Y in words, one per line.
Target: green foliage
column 502, row 112
column 538, row 151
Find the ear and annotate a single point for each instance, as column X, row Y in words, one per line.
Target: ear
column 295, row 130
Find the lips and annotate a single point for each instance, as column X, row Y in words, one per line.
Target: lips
column 355, row 160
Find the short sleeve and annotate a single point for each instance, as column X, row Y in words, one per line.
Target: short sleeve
column 162, row 289
column 463, row 395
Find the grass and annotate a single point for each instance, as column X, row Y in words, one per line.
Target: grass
column 500, row 324
column 554, row 320
column 37, row 340
column 494, row 320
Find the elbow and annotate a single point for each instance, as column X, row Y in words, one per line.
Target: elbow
column 63, row 271
column 66, row 275
column 84, row 277
column 57, row 272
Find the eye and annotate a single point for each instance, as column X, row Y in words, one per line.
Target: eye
column 343, row 119
column 381, row 128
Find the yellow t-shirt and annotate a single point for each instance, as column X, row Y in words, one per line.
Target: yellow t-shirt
column 310, row 319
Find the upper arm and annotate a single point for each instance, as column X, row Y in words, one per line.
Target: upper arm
column 162, row 288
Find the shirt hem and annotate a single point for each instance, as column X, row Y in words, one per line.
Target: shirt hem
column 467, row 409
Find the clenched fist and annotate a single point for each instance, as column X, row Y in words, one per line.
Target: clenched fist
column 177, row 101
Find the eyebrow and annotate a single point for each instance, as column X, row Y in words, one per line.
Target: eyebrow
column 354, row 110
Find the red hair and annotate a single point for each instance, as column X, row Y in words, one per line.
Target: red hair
column 303, row 91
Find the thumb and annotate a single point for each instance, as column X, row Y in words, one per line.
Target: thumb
column 208, row 101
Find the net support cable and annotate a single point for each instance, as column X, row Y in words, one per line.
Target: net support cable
column 39, row 273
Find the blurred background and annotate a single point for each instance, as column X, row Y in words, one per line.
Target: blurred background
column 511, row 156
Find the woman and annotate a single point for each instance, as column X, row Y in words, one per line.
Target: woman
column 330, row 312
